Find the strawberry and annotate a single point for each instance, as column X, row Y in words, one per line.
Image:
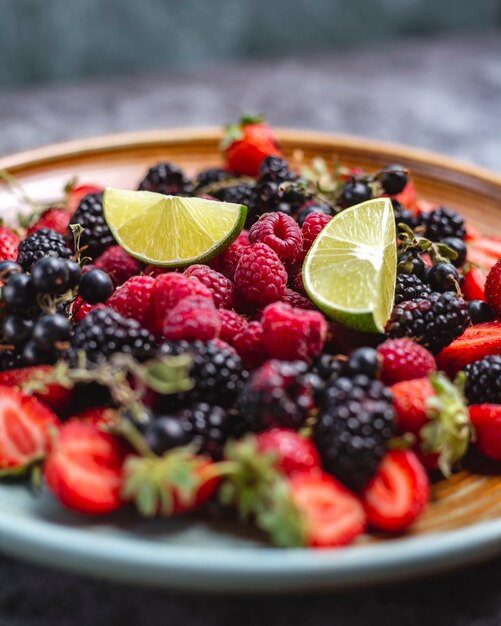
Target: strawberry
column 294, row 453
column 484, row 251
column 432, row 409
column 99, row 416
column 404, row 359
column 54, row 396
column 493, row 287
column 486, row 420
column 79, row 309
column 118, row 264
column 331, row 515
column 74, row 193
column 84, row 468
column 472, row 232
column 475, row 343
column 397, row 494
column 247, row 143
column 53, row 218
column 8, row 244
column 134, row 299
column 474, row 284
column 25, row 429
column 174, row 484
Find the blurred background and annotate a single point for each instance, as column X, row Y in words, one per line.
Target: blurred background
column 423, row 72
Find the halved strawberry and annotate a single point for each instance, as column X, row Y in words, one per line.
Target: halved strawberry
column 398, row 493
column 484, row 251
column 474, row 284
column 25, row 429
column 331, row 515
column 84, row 468
column 55, row 396
column 486, row 419
column 475, row 343
column 294, row 453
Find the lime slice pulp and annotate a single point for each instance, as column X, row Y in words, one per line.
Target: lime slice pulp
column 350, row 270
column 171, row 231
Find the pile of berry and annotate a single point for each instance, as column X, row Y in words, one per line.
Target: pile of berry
column 133, row 385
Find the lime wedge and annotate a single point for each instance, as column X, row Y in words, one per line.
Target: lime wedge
column 350, row 270
column 171, row 231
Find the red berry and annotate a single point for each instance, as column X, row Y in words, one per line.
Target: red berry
column 25, row 429
column 474, row 284
column 493, row 288
column 260, row 275
column 134, row 299
column 55, row 219
column 8, row 244
column 154, row 270
column 231, row 324
column 281, row 233
column 332, row 515
column 404, row 359
column 84, row 468
column 98, row 416
column 295, row 299
column 193, row 318
column 228, row 260
column 294, row 452
column 298, row 283
column 398, row 493
column 410, row 404
column 79, row 309
column 223, row 290
column 54, row 396
column 291, row 333
column 76, row 193
column 312, row 226
column 118, row 264
column 249, row 343
column 484, row 252
column 243, row 238
column 486, row 420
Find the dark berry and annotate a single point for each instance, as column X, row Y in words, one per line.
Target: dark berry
column 97, row 236
column 459, row 246
column 33, row 354
column 327, row 365
column 353, row 427
column 410, row 287
column 410, row 262
column 275, row 169
column 443, row 277
column 479, row 312
column 19, row 294
column 210, row 176
column 393, row 179
column 7, row 268
column 50, row 330
column 42, row 243
column 74, row 274
column 10, row 360
column 209, row 427
column 362, row 361
column 313, row 208
column 96, row 286
column 403, row 215
column 483, row 381
column 141, row 418
column 441, row 223
column 168, row 179
column 266, row 197
column 17, row 330
column 50, row 275
column 354, row 192
column 166, row 432
column 241, row 193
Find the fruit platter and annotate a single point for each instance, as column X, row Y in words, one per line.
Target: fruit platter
column 249, row 359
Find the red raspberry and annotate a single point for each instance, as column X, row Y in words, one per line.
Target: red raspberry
column 298, row 284
column 260, row 275
column 56, row 219
column 223, row 290
column 9, row 242
column 231, row 324
column 249, row 343
column 281, row 233
column 154, row 270
column 312, row 226
column 134, row 299
column 295, row 453
column 170, row 288
column 404, row 359
column 291, row 333
column 243, row 238
column 296, row 299
column 493, row 287
column 118, row 264
column 193, row 318
column 227, row 261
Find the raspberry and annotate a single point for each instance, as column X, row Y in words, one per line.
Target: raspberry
column 170, row 288
column 154, row 270
column 249, row 343
column 223, row 345
column 223, row 290
column 133, row 300
column 295, row 299
column 168, row 179
column 243, row 238
column 281, row 233
column 118, row 264
column 404, row 359
column 260, row 275
column 9, row 243
column 193, row 318
column 492, row 288
column 312, row 226
column 298, row 284
column 228, row 260
column 231, row 324
column 55, row 219
column 291, row 333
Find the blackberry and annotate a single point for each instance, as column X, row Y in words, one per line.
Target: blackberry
column 42, row 243
column 209, row 177
column 89, row 214
column 242, row 193
column 353, row 427
column 209, row 427
column 483, row 380
column 266, row 197
column 103, row 332
column 218, row 374
column 278, row 394
column 410, row 287
column 434, row 321
column 168, row 179
column 275, row 169
column 441, row 223
column 403, row 215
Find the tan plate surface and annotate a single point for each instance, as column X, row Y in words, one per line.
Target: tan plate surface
column 121, row 160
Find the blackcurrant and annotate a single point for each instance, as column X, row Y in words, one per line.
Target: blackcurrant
column 314, row 208
column 96, row 286
column 354, row 192
column 50, row 330
column 19, row 292
column 459, row 246
column 443, row 277
column 479, row 312
column 33, row 354
column 166, row 432
column 362, row 361
column 411, row 263
column 17, row 330
column 50, row 275
column 7, row 268
column 74, row 274
column 393, row 179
